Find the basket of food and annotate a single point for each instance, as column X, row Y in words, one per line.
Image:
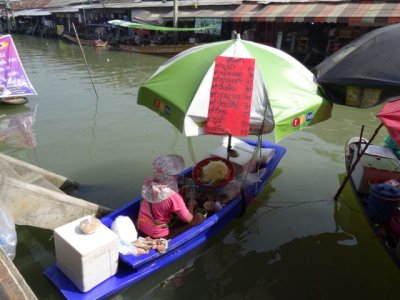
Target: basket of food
column 213, row 172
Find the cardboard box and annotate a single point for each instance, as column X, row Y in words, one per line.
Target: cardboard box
column 86, row 259
column 374, row 168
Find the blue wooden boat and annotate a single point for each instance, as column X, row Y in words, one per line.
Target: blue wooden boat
column 132, row 269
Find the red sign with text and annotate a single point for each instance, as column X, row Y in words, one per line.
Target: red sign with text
column 230, row 98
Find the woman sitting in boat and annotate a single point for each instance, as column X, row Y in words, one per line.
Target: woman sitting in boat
column 161, row 200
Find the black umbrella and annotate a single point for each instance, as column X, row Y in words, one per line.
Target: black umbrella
column 365, row 72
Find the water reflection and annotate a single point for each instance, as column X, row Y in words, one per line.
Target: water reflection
column 35, row 253
column 349, row 217
column 16, row 128
column 268, row 256
column 297, row 269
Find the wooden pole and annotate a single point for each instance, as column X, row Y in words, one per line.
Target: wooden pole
column 356, row 162
column 175, row 13
column 8, row 9
column 84, row 58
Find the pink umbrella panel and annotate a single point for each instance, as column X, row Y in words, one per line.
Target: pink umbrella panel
column 390, row 117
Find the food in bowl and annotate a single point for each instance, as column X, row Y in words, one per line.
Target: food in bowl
column 214, row 172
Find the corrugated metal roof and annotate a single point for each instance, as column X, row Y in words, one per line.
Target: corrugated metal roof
column 62, row 3
column 150, row 15
column 67, row 9
column 352, row 13
column 31, row 12
column 170, row 3
column 218, row 12
column 45, row 4
column 273, row 10
column 297, row 1
column 29, row 4
column 167, row 13
column 149, row 4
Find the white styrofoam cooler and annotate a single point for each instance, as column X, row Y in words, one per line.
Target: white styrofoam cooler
column 244, row 160
column 86, row 259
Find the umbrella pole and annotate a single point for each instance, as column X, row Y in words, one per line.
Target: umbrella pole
column 229, row 151
column 356, row 162
column 229, row 147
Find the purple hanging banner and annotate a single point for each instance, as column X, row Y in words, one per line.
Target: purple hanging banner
column 13, row 80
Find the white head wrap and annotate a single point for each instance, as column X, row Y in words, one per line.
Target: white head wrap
column 164, row 182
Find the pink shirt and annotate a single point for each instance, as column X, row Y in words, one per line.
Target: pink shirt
column 163, row 214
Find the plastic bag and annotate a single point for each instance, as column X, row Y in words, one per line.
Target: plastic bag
column 126, row 248
column 8, row 234
column 125, row 229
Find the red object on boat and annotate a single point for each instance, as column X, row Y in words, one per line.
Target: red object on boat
column 390, row 117
column 198, row 169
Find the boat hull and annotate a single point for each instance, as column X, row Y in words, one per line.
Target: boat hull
column 387, row 240
column 134, row 268
column 154, row 49
column 14, row 100
column 94, row 43
column 82, row 41
column 163, row 50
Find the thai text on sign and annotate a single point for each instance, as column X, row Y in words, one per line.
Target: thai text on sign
column 13, row 79
column 230, row 98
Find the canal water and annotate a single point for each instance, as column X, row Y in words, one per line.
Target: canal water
column 293, row 241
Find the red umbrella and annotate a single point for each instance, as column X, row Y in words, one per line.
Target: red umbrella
column 390, row 117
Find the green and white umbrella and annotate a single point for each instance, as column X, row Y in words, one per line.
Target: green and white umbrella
column 285, row 97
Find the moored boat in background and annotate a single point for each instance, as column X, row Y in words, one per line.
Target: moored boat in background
column 85, row 42
column 14, row 83
column 154, row 39
column 153, row 49
column 374, row 182
column 14, row 100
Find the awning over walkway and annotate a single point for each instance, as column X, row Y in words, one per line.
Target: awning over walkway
column 150, row 14
column 214, row 12
column 245, row 12
column 31, row 13
column 184, row 13
column 352, row 13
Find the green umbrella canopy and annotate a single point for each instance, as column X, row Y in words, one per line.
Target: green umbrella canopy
column 285, row 95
